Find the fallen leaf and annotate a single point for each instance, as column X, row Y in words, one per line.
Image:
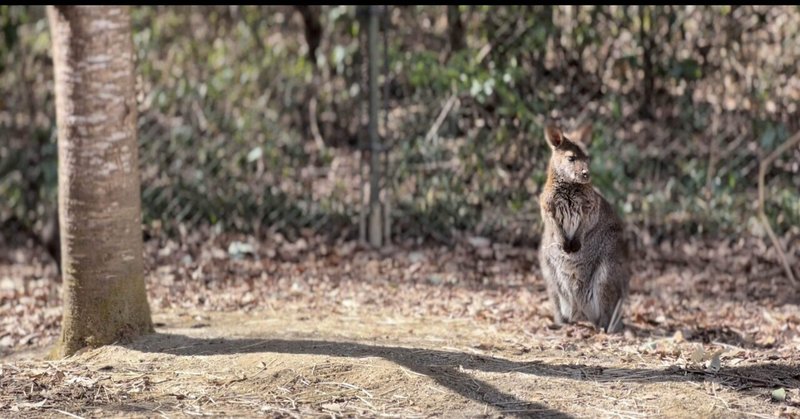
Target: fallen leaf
column 779, row 395
column 485, row 252
column 767, row 340
column 698, row 355
column 238, row 249
column 715, row 363
column 479, row 242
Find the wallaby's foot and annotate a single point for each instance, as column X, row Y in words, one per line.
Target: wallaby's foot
column 560, row 320
column 616, row 328
column 559, row 324
column 614, row 323
column 607, row 328
column 611, row 328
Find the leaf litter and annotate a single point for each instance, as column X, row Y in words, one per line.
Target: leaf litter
column 319, row 328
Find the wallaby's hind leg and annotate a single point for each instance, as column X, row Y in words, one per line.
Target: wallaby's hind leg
column 556, row 308
column 612, row 300
column 561, row 308
column 608, row 297
column 563, row 312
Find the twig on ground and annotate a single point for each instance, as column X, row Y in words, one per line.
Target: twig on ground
column 68, row 414
column 733, row 375
column 348, row 385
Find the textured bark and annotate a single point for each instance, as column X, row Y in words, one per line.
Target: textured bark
column 647, row 57
column 456, row 28
column 313, row 29
column 98, row 178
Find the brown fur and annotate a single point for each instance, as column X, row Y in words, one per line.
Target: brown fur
column 583, row 256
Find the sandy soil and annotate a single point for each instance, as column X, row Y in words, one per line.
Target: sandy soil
column 291, row 364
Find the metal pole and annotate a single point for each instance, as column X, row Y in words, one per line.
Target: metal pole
column 375, row 230
column 387, row 211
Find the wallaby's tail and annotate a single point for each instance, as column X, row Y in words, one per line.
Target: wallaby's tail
column 616, row 317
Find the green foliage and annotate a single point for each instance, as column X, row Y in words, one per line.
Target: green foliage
column 226, row 137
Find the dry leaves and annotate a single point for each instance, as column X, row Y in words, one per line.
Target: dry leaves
column 688, row 308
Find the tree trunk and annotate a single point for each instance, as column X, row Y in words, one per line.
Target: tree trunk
column 313, row 34
column 647, row 45
column 456, row 28
column 98, row 178
column 313, row 29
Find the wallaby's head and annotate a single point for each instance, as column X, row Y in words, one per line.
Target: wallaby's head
column 569, row 161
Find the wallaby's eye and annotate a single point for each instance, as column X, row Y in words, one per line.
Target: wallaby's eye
column 571, row 159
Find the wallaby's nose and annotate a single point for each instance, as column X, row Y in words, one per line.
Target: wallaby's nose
column 585, row 174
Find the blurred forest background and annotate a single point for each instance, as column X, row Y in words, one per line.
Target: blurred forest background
column 254, row 155
column 255, row 117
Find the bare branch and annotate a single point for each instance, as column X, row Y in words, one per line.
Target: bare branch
column 762, row 215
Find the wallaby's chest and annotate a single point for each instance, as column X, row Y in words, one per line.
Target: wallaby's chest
column 570, row 209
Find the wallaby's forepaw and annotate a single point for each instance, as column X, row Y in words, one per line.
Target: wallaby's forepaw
column 572, row 246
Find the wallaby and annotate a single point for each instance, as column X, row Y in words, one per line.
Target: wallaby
column 583, row 256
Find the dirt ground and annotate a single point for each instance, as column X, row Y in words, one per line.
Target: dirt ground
column 305, row 329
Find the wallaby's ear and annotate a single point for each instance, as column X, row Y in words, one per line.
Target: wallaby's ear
column 582, row 135
column 553, row 135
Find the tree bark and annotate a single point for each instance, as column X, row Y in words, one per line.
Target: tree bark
column 313, row 29
column 456, row 28
column 647, row 46
column 98, row 178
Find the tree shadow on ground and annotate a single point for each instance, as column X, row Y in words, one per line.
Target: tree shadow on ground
column 441, row 366
column 447, row 367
